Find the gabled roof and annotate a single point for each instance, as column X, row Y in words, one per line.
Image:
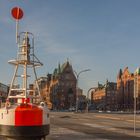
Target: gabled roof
column 66, row 64
column 60, row 69
column 137, row 71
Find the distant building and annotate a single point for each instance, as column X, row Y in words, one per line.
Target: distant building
column 44, row 83
column 104, row 96
column 63, row 87
column 59, row 89
column 137, row 87
column 82, row 102
column 3, row 92
column 111, row 96
column 125, row 89
column 98, row 97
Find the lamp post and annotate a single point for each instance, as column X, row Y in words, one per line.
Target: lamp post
column 77, row 78
column 94, row 88
column 136, row 92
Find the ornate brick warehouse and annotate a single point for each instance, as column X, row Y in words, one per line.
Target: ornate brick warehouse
column 104, row 96
column 61, row 85
column 44, row 83
column 125, row 88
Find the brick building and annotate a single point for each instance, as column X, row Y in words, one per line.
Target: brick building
column 44, row 83
column 104, row 96
column 98, row 97
column 3, row 92
column 125, row 88
column 137, row 88
column 59, row 89
column 120, row 95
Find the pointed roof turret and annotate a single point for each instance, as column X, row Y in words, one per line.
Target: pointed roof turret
column 119, row 74
column 59, row 68
column 65, row 65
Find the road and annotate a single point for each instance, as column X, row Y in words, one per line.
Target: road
column 93, row 126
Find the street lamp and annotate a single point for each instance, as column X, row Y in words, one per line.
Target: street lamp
column 136, row 92
column 94, row 88
column 77, row 78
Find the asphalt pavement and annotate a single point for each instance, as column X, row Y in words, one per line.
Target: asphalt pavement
column 92, row 126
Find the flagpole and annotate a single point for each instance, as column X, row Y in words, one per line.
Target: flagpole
column 17, row 27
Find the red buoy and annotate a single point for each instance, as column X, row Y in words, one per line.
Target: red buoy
column 17, row 13
column 28, row 115
column 25, row 115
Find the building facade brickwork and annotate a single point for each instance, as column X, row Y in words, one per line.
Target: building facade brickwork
column 4, row 89
column 63, row 87
column 104, row 96
column 59, row 89
column 120, row 95
column 125, row 88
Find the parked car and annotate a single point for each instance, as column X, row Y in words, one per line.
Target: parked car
column 72, row 109
column 91, row 107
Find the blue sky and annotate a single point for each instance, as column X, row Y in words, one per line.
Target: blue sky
column 101, row 35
